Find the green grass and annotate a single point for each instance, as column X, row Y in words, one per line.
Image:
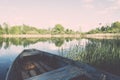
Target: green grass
column 102, row 54
column 95, row 51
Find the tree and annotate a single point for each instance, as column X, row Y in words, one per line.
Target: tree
column 116, row 25
column 5, row 25
column 15, row 30
column 67, row 31
column 58, row 29
column 102, row 28
column 114, row 28
column 1, row 30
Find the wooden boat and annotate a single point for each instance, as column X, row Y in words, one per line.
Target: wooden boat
column 33, row 64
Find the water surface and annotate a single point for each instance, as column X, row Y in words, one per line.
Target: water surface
column 102, row 54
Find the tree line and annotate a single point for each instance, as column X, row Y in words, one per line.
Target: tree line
column 26, row 29
column 113, row 28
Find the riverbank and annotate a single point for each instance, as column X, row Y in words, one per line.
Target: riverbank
column 96, row 36
column 103, row 35
column 40, row 35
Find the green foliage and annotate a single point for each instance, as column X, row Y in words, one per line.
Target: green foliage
column 1, row 30
column 114, row 28
column 15, row 30
column 6, row 28
column 58, row 29
column 58, row 41
column 26, row 29
column 69, row 31
column 44, row 31
column 29, row 30
column 116, row 25
column 28, row 41
column 1, row 42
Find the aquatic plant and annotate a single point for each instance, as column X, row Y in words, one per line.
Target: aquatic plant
column 102, row 54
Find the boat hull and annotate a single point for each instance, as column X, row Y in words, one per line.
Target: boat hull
column 33, row 64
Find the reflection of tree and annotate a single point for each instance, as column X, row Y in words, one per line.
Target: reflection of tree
column 1, row 42
column 58, row 41
column 68, row 39
column 27, row 41
column 20, row 41
column 15, row 41
column 7, row 43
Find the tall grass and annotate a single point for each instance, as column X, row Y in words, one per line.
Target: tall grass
column 102, row 54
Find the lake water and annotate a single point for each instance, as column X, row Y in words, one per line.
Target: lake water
column 102, row 54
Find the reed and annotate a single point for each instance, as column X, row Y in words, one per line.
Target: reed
column 95, row 51
column 103, row 54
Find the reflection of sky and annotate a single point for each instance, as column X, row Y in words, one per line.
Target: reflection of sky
column 3, row 69
column 8, row 55
column 5, row 60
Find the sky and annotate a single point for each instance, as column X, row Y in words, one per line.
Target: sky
column 81, row 15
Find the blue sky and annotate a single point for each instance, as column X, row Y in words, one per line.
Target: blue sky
column 73, row 14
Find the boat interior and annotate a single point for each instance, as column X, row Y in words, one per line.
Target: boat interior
column 36, row 65
column 45, row 67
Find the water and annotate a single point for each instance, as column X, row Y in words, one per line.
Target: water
column 98, row 53
column 10, row 48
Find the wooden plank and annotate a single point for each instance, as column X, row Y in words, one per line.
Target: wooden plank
column 48, row 68
column 41, row 69
column 64, row 73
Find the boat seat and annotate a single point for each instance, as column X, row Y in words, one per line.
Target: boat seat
column 41, row 69
column 65, row 73
column 48, row 68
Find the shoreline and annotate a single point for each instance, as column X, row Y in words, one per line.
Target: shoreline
column 103, row 35
column 39, row 35
column 95, row 36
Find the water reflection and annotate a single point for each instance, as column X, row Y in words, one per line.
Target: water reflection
column 29, row 41
column 10, row 48
column 102, row 54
